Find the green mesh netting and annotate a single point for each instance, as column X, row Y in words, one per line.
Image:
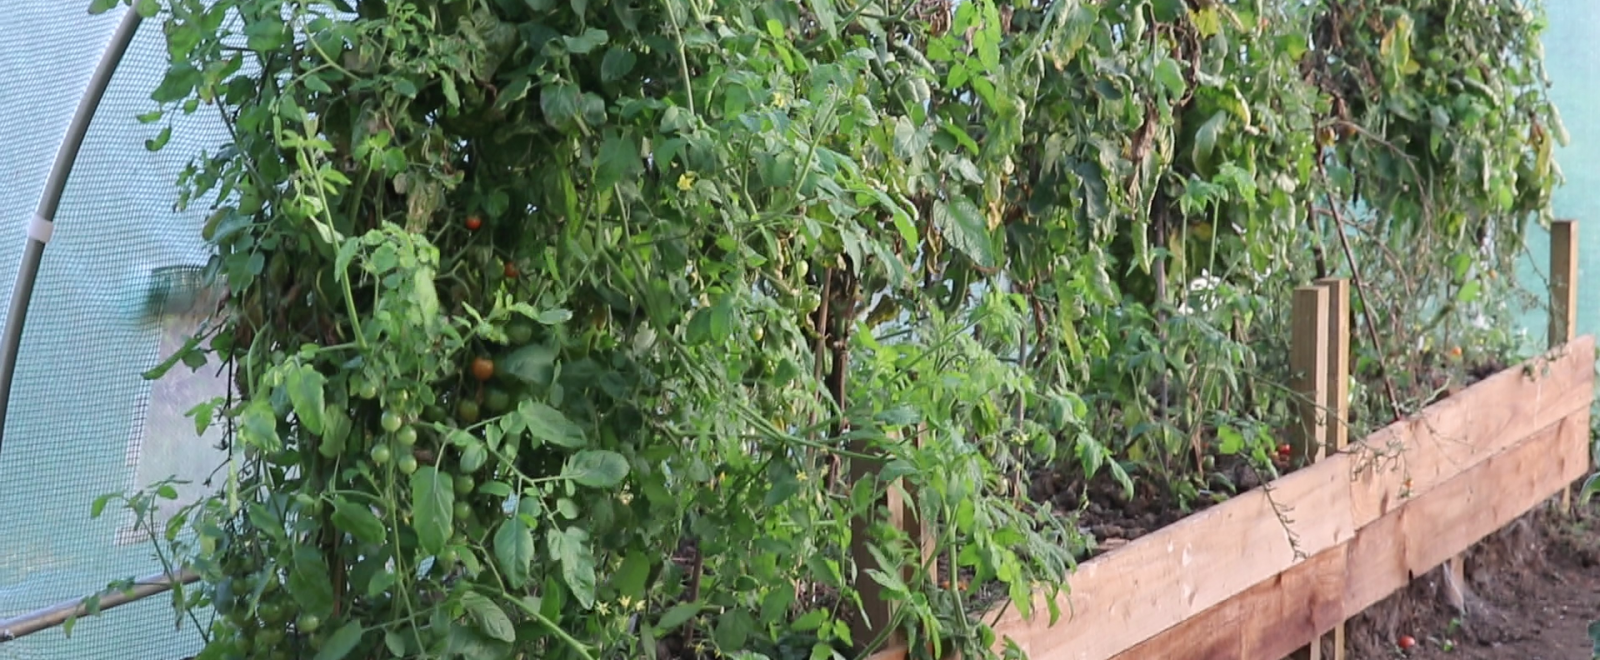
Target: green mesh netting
column 82, row 420
column 1572, row 57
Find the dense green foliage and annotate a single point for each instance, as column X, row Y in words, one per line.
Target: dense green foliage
column 556, row 323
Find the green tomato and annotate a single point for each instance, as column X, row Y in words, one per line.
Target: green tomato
column 467, row 412
column 496, row 400
column 519, row 332
column 448, row 555
column 366, row 389
column 464, row 484
column 407, row 436
column 391, row 421
column 463, row 510
column 308, row 623
column 434, row 413
column 381, row 454
column 270, row 612
column 407, row 463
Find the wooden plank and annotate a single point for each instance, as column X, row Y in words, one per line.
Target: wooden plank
column 1429, row 529
column 1268, row 620
column 1455, row 454
column 1126, row 596
column 1411, row 457
column 1276, row 616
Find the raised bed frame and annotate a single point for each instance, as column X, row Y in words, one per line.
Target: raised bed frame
column 1272, row 570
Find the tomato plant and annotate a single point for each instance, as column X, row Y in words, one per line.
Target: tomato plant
column 554, row 327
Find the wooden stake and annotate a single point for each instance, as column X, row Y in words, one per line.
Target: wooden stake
column 876, row 612
column 1336, row 432
column 900, row 501
column 1310, row 356
column 1563, row 299
column 1308, row 359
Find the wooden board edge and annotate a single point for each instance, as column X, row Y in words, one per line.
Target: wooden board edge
column 1412, row 457
column 1426, row 531
column 1279, row 615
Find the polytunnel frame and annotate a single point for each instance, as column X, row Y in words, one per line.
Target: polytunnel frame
column 40, row 228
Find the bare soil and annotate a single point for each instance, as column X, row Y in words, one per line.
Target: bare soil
column 1531, row 590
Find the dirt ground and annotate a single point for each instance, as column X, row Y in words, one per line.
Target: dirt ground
column 1531, row 590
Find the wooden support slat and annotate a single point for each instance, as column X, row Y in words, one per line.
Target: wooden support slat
column 1563, row 282
column 875, row 609
column 1273, row 617
column 1411, row 457
column 1157, row 587
column 1308, row 359
column 1336, row 429
column 1563, row 299
column 1339, row 343
column 900, row 505
column 1157, row 581
column 1472, row 505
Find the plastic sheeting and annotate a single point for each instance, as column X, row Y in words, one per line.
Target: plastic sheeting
column 83, row 422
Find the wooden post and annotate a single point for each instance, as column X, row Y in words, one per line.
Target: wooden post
column 1563, row 282
column 875, row 610
column 1313, row 357
column 1337, row 429
column 1308, row 359
column 903, row 515
column 1563, row 299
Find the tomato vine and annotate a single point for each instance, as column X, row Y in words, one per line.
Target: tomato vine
column 554, row 325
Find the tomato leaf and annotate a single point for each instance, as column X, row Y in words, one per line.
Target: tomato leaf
column 306, row 393
column 630, row 580
column 358, row 520
column 597, row 468
column 258, row 427
column 335, row 430
column 309, row 582
column 342, row 642
column 533, row 364
column 490, row 618
column 962, row 224
column 616, row 64
column 432, row 499
column 678, row 615
column 473, row 457
column 549, row 425
column 571, row 548
column 513, row 550
column 1230, row 441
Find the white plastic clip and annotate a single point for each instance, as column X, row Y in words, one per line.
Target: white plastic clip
column 40, row 229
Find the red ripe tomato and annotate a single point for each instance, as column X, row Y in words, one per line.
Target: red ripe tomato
column 1407, row 641
column 511, row 271
column 482, row 369
column 474, row 223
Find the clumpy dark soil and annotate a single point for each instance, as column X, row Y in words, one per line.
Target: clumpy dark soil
column 1531, row 590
